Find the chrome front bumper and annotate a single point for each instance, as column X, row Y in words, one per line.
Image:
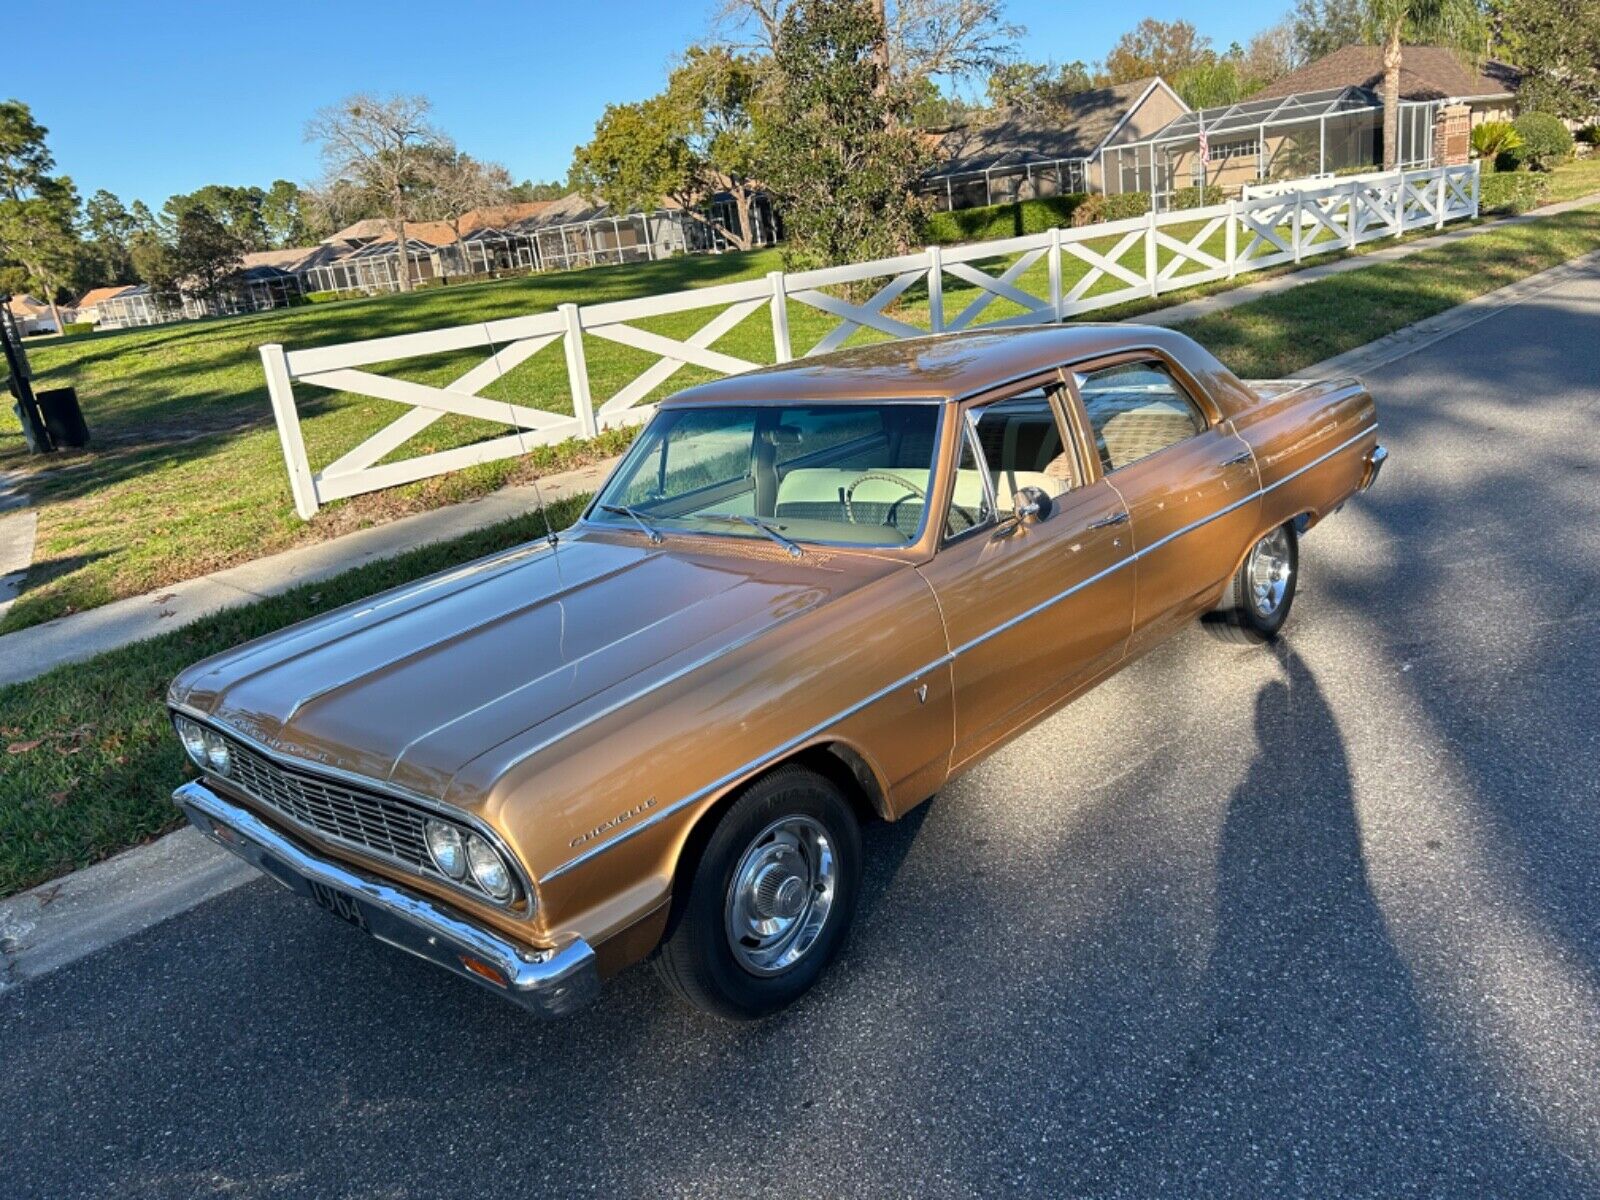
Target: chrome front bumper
column 548, row 982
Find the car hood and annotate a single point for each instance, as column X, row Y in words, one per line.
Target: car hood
column 410, row 686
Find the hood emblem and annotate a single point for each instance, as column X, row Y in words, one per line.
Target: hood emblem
column 922, row 693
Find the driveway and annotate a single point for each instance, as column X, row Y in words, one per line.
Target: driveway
column 1319, row 919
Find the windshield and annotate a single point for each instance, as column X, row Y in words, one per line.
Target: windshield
column 852, row 474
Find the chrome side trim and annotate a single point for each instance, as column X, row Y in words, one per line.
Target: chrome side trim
column 548, row 982
column 800, row 739
column 733, row 776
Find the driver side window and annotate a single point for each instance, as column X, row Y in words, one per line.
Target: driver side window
column 1017, row 442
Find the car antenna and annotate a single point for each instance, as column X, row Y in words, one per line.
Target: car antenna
column 549, row 529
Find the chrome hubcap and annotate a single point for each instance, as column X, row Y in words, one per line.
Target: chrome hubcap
column 1269, row 571
column 781, row 894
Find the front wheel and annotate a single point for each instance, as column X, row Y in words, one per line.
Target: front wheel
column 770, row 901
column 1262, row 591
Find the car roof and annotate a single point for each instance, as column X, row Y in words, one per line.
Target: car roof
column 949, row 366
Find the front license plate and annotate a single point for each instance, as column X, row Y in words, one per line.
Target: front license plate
column 339, row 904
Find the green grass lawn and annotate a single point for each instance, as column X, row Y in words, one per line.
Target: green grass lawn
column 1575, row 179
column 185, row 474
column 89, row 760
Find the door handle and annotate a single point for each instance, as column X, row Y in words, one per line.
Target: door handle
column 1116, row 518
column 1238, row 459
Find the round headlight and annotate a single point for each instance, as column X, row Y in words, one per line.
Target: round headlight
column 488, row 868
column 194, row 742
column 217, row 754
column 444, row 844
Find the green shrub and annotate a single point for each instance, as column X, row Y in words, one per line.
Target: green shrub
column 1127, row 204
column 1001, row 220
column 323, row 297
column 1589, row 135
column 76, row 327
column 1511, row 191
column 1545, row 141
column 1196, row 197
column 1494, row 138
column 1091, row 212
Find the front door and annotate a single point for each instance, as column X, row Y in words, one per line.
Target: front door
column 1034, row 608
column 1188, row 479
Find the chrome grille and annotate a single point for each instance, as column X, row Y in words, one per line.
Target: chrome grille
column 376, row 823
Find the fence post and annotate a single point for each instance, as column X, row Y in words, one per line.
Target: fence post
column 1438, row 203
column 935, row 290
column 1150, row 252
column 1230, row 240
column 578, row 371
column 781, row 348
column 302, row 486
column 1477, row 179
column 1055, row 272
column 1294, row 229
column 1351, row 218
column 1399, row 202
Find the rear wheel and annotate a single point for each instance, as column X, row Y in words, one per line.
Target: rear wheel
column 770, row 901
column 1262, row 591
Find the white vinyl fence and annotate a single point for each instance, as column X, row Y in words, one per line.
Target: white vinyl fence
column 1120, row 261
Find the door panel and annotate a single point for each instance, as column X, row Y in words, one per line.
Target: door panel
column 1186, row 549
column 1190, row 486
column 1032, row 610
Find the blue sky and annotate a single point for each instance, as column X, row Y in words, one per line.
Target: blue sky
column 149, row 99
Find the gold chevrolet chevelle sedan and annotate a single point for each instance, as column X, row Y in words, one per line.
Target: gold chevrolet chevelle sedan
column 806, row 598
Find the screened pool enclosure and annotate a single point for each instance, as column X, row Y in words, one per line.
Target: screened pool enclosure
column 1291, row 137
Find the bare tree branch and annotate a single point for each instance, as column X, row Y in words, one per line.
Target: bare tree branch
column 377, row 147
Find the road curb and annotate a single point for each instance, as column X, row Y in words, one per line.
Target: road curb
column 71, row 917
column 76, row 915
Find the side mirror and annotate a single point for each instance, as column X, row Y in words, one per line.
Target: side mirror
column 1030, row 505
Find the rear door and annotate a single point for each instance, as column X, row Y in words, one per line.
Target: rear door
column 1188, row 480
column 1034, row 609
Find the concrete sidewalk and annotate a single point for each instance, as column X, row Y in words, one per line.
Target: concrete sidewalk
column 37, row 649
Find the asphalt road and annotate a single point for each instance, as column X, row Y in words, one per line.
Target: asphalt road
column 1322, row 920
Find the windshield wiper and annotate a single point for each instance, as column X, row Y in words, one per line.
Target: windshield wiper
column 756, row 523
column 624, row 510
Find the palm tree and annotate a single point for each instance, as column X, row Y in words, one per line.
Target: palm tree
column 1454, row 23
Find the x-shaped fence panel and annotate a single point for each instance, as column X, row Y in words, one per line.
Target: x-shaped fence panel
column 1264, row 222
column 1103, row 265
column 868, row 314
column 1004, row 286
column 674, row 354
column 1190, row 252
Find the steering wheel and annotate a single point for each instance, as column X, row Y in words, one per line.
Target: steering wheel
column 849, row 494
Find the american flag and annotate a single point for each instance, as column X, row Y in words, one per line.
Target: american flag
column 1205, row 146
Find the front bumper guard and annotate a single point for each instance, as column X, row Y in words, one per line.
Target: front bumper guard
column 550, row 983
